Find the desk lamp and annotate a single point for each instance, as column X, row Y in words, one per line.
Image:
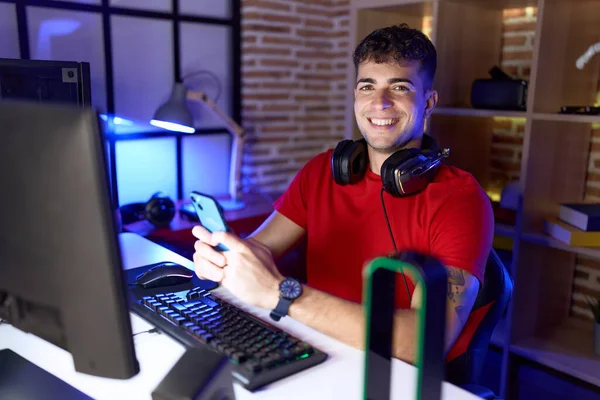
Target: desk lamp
column 175, row 115
column 380, row 290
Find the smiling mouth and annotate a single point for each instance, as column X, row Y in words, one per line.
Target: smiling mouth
column 383, row 122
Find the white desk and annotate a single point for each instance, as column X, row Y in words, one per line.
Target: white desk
column 339, row 377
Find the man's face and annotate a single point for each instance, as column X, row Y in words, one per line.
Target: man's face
column 391, row 104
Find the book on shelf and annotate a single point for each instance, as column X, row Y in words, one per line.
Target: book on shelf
column 585, row 216
column 570, row 234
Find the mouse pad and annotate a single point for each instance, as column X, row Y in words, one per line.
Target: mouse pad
column 137, row 292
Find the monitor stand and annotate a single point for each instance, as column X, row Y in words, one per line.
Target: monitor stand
column 23, row 380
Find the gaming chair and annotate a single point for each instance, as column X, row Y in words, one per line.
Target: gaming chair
column 465, row 370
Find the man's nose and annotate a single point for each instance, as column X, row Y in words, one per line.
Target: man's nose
column 381, row 101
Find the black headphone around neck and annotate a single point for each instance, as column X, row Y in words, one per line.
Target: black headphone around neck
column 405, row 172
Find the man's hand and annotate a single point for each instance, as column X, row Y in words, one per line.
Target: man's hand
column 247, row 269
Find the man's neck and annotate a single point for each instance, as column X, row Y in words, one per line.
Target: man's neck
column 376, row 158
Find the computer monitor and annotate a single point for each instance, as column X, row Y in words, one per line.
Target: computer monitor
column 45, row 81
column 61, row 275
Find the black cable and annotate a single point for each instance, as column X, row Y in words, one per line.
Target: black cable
column 206, row 72
column 394, row 244
column 153, row 330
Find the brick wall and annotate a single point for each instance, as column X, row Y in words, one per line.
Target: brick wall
column 294, row 57
column 517, row 50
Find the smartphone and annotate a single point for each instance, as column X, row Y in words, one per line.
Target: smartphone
column 210, row 214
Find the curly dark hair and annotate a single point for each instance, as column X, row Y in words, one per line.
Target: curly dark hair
column 398, row 43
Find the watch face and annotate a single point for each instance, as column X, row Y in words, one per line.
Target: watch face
column 290, row 289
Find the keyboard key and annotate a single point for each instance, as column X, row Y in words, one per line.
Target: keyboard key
column 239, row 357
column 194, row 303
column 178, row 307
column 252, row 367
column 195, row 293
column 208, row 337
column 169, row 302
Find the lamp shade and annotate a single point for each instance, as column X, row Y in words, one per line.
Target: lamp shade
column 175, row 115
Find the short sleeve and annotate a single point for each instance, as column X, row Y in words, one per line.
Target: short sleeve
column 462, row 231
column 293, row 202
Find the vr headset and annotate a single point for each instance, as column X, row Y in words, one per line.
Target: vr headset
column 501, row 92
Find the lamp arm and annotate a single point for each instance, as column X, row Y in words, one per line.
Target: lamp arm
column 585, row 57
column 237, row 141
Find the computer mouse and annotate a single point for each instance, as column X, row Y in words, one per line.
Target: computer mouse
column 164, row 274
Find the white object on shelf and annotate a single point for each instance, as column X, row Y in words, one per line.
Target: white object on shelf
column 585, row 57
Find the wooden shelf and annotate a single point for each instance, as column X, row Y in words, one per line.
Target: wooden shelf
column 475, row 112
column 567, row 118
column 566, row 29
column 567, row 348
column 500, row 4
column 546, row 240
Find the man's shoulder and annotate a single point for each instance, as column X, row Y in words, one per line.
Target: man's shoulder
column 320, row 161
column 451, row 175
column 452, row 182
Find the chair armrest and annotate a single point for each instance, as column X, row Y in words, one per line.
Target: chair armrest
column 480, row 391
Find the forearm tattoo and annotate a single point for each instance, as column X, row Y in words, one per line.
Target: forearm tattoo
column 456, row 291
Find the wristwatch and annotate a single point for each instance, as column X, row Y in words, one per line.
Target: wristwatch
column 289, row 290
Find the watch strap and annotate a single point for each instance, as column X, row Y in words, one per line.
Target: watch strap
column 281, row 309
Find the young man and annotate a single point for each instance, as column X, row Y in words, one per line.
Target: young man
column 345, row 226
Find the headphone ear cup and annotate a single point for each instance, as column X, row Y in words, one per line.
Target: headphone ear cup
column 408, row 171
column 131, row 213
column 159, row 210
column 336, row 159
column 388, row 171
column 157, row 194
column 349, row 161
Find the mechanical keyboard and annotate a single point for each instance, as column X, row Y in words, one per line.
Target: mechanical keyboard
column 260, row 352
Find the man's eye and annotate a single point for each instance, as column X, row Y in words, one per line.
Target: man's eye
column 365, row 88
column 401, row 88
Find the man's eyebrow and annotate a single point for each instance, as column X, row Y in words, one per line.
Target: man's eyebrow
column 400, row 80
column 390, row 81
column 365, row 80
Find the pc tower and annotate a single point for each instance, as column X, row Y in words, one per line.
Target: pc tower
column 66, row 82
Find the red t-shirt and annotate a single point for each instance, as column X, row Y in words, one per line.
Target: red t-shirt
column 451, row 220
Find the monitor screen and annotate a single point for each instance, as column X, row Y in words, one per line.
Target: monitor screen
column 61, row 275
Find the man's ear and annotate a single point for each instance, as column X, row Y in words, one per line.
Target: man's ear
column 431, row 99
